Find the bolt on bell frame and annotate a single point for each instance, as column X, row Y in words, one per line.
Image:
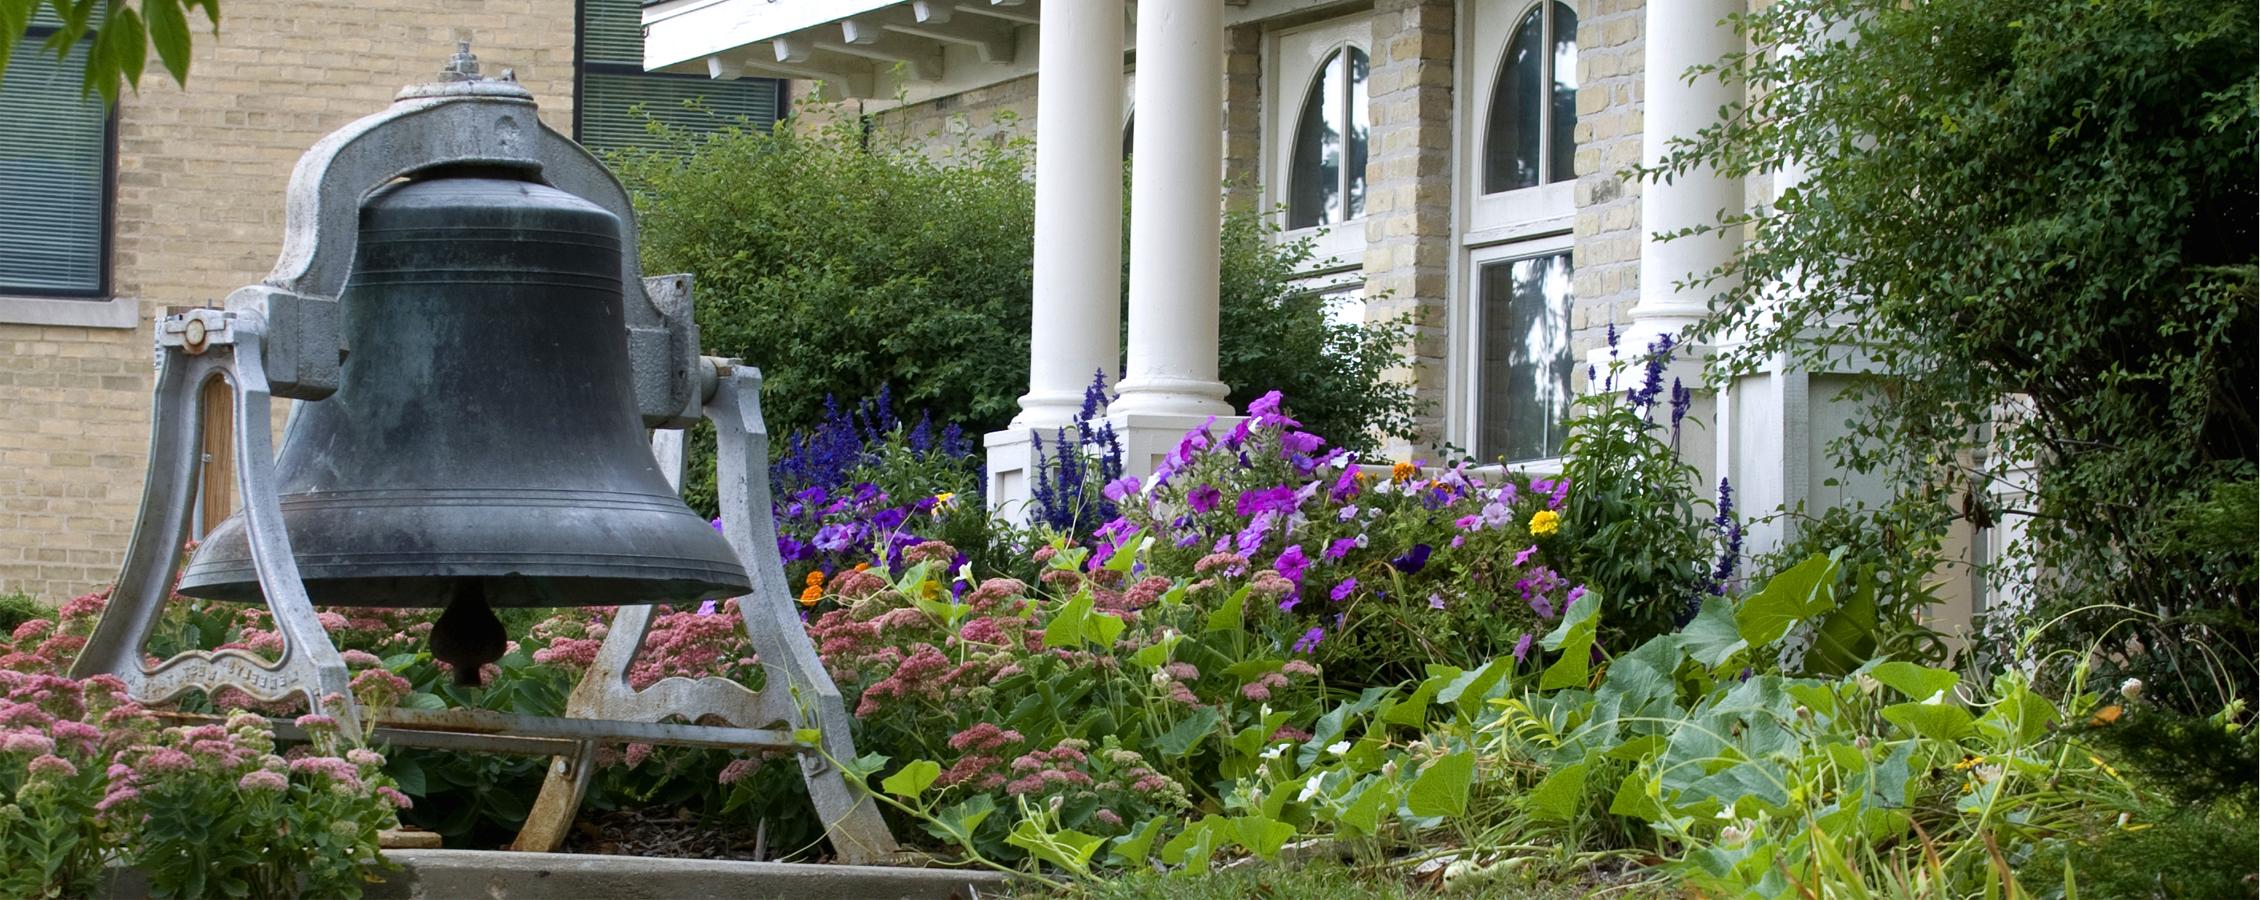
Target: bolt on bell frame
column 282, row 338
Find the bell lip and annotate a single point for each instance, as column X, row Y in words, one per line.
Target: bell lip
column 515, row 591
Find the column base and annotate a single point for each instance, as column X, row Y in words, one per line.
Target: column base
column 1148, row 438
column 1167, row 395
column 1011, row 472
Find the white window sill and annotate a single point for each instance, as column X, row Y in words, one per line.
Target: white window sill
column 115, row 312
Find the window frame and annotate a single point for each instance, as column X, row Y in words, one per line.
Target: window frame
column 1339, row 246
column 105, row 251
column 1492, row 228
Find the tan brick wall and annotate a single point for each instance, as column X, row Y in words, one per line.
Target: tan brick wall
column 991, row 115
column 1606, row 253
column 1408, row 200
column 200, row 180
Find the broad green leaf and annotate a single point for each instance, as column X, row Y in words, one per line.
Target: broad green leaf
column 1227, row 615
column 1101, row 628
column 1471, row 689
column 1131, row 849
column 2020, row 716
column 1068, row 849
column 1065, row 630
column 1442, row 788
column 1367, row 805
column 1804, row 591
column 1182, row 738
column 1937, row 721
column 14, row 18
column 1412, row 712
column 1192, row 847
column 1556, row 798
column 865, row 766
column 1633, row 799
column 423, row 700
column 1156, row 654
column 168, row 30
column 1126, row 556
column 1573, row 638
column 1847, row 638
column 1262, row 836
column 960, row 820
column 1918, row 683
column 913, row 779
column 1712, row 638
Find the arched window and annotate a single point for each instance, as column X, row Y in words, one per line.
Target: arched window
column 1326, row 179
column 1530, row 138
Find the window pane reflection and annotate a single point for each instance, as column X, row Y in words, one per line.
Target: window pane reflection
column 1315, row 186
column 1533, row 111
column 1561, row 135
column 1525, row 357
column 1358, row 117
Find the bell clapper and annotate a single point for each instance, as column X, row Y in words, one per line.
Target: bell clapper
column 467, row 635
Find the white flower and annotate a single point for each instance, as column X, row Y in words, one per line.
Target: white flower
column 1276, row 751
column 1310, row 789
column 1936, row 699
column 1160, row 678
column 2131, row 689
column 1867, row 683
column 1338, row 748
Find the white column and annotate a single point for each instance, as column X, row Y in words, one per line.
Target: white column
column 1076, row 327
column 1176, row 215
column 1682, row 34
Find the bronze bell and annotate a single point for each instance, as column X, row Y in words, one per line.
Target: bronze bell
column 483, row 448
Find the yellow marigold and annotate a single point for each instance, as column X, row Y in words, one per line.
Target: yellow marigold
column 1544, row 523
column 810, row 594
column 1402, row 472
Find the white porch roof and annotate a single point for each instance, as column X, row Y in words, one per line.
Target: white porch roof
column 879, row 50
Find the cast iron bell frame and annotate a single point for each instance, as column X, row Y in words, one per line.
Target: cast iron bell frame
column 280, row 338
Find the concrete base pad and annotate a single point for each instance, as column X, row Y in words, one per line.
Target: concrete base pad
column 505, row 875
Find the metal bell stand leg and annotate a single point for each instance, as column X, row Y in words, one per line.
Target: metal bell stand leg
column 195, row 347
column 798, row 692
column 206, row 343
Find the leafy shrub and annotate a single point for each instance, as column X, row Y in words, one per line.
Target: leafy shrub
column 16, row 609
column 839, row 260
column 2048, row 245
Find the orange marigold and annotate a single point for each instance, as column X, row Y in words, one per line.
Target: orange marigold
column 1402, row 472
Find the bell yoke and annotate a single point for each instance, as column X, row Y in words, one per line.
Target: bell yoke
column 459, row 309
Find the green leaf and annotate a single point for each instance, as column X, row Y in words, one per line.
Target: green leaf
column 1556, row 798
column 1192, row 847
column 1412, row 712
column 127, row 44
column 1156, row 654
column 1181, row 739
column 1131, row 849
column 865, row 766
column 1367, row 805
column 1126, row 556
column 1712, row 638
column 913, row 779
column 1847, row 638
column 960, row 820
column 1227, row 615
column 1633, row 799
column 15, row 16
column 1065, row 630
column 1261, row 835
column 168, row 30
column 1918, row 683
column 1442, row 788
column 1804, row 591
column 1101, row 628
column 1937, row 721
column 1068, row 849
column 1574, row 639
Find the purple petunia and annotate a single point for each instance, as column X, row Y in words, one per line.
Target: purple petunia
column 1522, row 647
column 1204, row 498
column 1413, row 560
column 1292, row 563
column 1340, row 547
column 1280, row 499
column 836, row 538
column 1310, row 639
column 1343, row 589
column 1121, row 489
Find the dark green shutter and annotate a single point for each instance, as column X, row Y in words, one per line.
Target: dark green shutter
column 615, row 89
column 54, row 147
